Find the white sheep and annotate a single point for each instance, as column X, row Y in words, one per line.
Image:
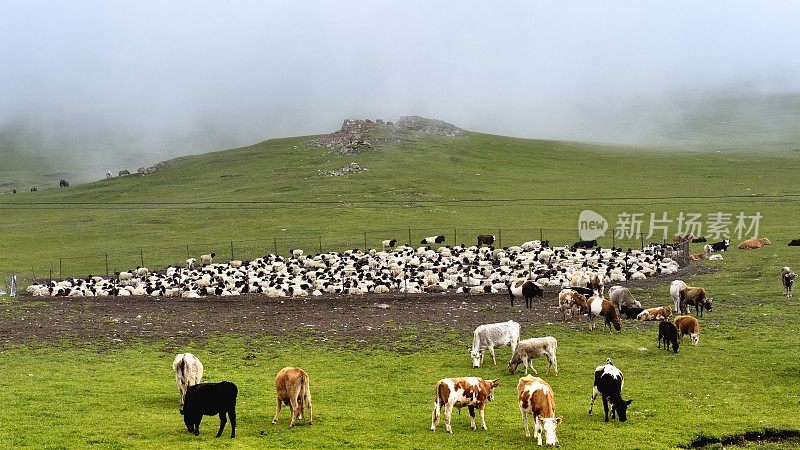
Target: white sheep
column 190, row 263
column 206, row 259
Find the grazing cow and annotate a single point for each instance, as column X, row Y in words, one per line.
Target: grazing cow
column 124, row 173
column 694, row 296
column 33, row 189
column 292, row 389
column 668, row 332
column 599, row 306
column 622, row 296
column 787, row 277
column 108, row 174
column 718, row 246
column 570, row 299
column 753, row 244
column 630, row 312
column 535, row 397
column 675, row 289
column 486, row 239
column 63, row 183
column 794, row 243
column 584, row 244
column 524, row 288
column 528, row 349
column 699, row 239
column 430, row 240
column 489, row 336
column 188, row 371
column 688, row 325
column 588, row 292
column 210, row 399
column 660, row 313
column 608, row 382
column 389, row 243
column 472, row 392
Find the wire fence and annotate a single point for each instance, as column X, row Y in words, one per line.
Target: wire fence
column 157, row 257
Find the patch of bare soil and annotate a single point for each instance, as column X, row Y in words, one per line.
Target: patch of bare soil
column 394, row 321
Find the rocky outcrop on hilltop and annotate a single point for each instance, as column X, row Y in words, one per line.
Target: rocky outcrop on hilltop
column 357, row 135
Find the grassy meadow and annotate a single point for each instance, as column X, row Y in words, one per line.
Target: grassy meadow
column 743, row 376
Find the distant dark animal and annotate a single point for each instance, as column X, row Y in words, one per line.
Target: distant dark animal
column 608, row 382
column 694, row 296
column 33, row 189
column 794, row 243
column 292, row 389
column 13, row 191
column 584, row 244
column 699, row 239
column 485, row 239
column 787, row 277
column 433, row 240
column 669, row 334
column 582, row 290
column 124, row 173
column 630, row 312
column 63, row 183
column 210, row 399
column 526, row 289
column 718, row 246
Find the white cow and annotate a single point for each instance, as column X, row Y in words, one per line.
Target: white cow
column 489, row 336
column 675, row 289
column 188, row 372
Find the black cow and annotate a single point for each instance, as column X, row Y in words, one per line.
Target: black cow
column 485, row 239
column 669, row 334
column 608, row 382
column 630, row 312
column 210, row 399
column 63, row 183
column 794, row 243
column 699, row 239
column 584, row 244
column 433, row 240
column 721, row 246
column 525, row 288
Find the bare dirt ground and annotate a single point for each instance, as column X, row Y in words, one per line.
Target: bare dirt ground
column 392, row 321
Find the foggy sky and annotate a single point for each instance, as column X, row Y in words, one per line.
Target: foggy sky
column 244, row 71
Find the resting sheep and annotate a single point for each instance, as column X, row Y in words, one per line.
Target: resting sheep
column 528, row 349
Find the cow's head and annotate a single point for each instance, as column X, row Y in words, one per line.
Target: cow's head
column 622, row 409
column 549, row 425
column 708, row 303
column 192, row 424
column 490, row 385
column 477, row 358
column 512, row 366
column 695, row 338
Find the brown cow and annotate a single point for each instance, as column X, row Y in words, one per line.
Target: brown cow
column 472, row 392
column 753, row 244
column 536, row 397
column 688, row 325
column 694, row 296
column 291, row 389
column 569, row 299
column 660, row 313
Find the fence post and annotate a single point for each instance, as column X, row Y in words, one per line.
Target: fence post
column 409, row 236
column 275, row 244
column 188, row 255
column 320, row 244
column 613, row 240
column 106, row 264
column 541, row 235
column 641, row 236
column 60, row 268
column 365, row 242
column 141, row 257
column 455, row 236
column 51, row 274
column 231, row 250
column 500, row 238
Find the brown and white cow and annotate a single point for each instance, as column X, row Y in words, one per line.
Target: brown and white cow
column 754, row 244
column 599, row 306
column 535, row 397
column 660, row 313
column 472, row 392
column 571, row 300
column 688, row 325
column 188, row 372
column 292, row 389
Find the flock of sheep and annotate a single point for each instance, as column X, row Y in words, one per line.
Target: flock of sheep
column 462, row 269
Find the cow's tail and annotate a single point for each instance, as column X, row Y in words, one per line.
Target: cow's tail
column 305, row 391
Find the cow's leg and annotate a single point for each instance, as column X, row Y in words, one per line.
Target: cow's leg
column 483, row 420
column 530, row 363
column 295, row 410
column 435, row 415
column 277, row 411
column 605, row 407
column 310, row 409
column 472, row 417
column 511, row 296
column 594, row 396
column 491, row 350
column 232, row 417
column 525, row 422
column 222, row 422
column 537, row 430
column 552, row 363
column 448, row 413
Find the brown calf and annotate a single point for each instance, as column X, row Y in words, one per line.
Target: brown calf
column 472, row 392
column 599, row 306
column 535, row 397
column 694, row 296
column 688, row 325
column 291, row 389
column 572, row 300
column 660, row 313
